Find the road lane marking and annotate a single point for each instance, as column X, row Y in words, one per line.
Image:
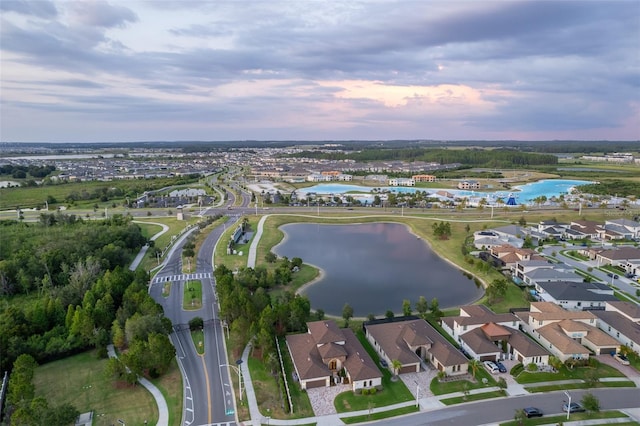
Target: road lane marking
column 206, row 379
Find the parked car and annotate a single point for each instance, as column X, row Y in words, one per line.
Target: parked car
column 383, row 363
column 621, row 359
column 491, row 367
column 501, row 367
column 573, row 408
column 532, row 412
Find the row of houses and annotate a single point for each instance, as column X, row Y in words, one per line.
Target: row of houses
column 326, row 354
column 336, row 176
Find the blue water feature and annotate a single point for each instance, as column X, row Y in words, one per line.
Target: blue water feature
column 522, row 193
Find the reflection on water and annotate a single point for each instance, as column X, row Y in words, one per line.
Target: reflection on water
column 373, row 267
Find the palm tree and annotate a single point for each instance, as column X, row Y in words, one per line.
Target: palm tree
column 396, row 365
column 474, row 366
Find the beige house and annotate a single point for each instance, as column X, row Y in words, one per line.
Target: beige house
column 413, row 341
column 566, row 334
column 327, row 355
column 487, row 336
column 621, row 320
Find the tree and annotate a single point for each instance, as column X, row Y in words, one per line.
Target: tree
column 435, row 308
column 422, row 306
column 474, row 366
column 389, row 314
column 591, row 402
column 396, row 365
column 496, row 290
column 406, row 307
column 347, row 314
column 270, row 257
column 442, row 230
column 196, row 323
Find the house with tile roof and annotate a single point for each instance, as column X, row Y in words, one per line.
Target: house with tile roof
column 621, row 320
column 621, row 256
column 580, row 229
column 327, row 354
column 630, row 225
column 566, row 334
column 510, row 254
column 413, row 341
column 487, row 336
column 530, row 272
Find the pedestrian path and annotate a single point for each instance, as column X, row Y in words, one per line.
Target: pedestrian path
column 181, row 277
column 163, row 409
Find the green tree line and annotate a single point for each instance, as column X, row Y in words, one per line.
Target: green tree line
column 471, row 157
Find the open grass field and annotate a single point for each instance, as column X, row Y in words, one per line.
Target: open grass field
column 78, row 380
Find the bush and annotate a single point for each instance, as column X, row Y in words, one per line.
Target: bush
column 517, row 369
column 532, row 367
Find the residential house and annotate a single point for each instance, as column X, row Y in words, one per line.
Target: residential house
column 423, row 178
column 624, row 257
column 401, row 182
column 411, row 341
column 581, row 229
column 486, row 239
column 485, row 335
column 327, row 354
column 510, row 254
column 574, row 296
column 552, row 229
column 630, row 225
column 621, row 320
column 530, row 272
column 614, row 231
column 566, row 334
column 468, row 184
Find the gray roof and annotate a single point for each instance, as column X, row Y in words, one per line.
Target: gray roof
column 621, row 323
column 589, row 292
column 548, row 274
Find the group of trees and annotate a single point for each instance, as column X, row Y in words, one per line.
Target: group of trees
column 249, row 310
column 22, row 172
column 441, row 230
column 422, row 307
column 27, row 409
column 42, row 257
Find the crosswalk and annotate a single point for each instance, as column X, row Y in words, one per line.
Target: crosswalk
column 182, row 277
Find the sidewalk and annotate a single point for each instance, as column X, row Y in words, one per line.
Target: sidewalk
column 163, row 409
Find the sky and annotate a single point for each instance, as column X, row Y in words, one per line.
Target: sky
column 120, row 71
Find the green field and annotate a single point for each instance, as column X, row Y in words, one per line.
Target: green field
column 78, row 380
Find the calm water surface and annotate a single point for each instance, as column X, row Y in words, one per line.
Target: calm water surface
column 373, row 267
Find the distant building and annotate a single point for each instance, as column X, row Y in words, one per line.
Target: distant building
column 469, row 184
column 423, row 178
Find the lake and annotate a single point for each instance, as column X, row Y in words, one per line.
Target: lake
column 373, row 267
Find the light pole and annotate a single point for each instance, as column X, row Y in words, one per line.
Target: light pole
column 417, row 394
column 239, row 375
column 569, row 404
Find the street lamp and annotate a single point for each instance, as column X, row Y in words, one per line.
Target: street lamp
column 417, row 394
column 238, row 362
column 568, row 405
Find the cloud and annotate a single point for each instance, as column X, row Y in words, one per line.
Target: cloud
column 102, row 14
column 38, row 8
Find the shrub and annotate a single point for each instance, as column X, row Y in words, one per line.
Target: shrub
column 517, row 369
column 532, row 367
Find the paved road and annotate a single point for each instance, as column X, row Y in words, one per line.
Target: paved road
column 495, row 411
column 621, row 282
column 206, row 398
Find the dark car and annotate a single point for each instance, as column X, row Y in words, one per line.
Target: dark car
column 501, row 367
column 573, row 408
column 532, row 412
column 383, row 363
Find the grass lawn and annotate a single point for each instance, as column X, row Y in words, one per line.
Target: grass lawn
column 575, row 417
column 78, row 380
column 392, row 391
column 198, row 340
column 192, row 295
column 380, row 416
column 581, row 373
column 473, row 397
column 443, row 388
column 170, row 384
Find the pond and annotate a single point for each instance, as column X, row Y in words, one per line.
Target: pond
column 373, row 267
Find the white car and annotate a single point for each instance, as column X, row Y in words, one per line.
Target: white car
column 621, row 359
column 491, row 367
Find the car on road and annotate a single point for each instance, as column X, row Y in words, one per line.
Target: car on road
column 501, row 367
column 532, row 412
column 491, row 367
column 574, row 407
column 611, row 275
column 384, row 363
column 621, row 359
